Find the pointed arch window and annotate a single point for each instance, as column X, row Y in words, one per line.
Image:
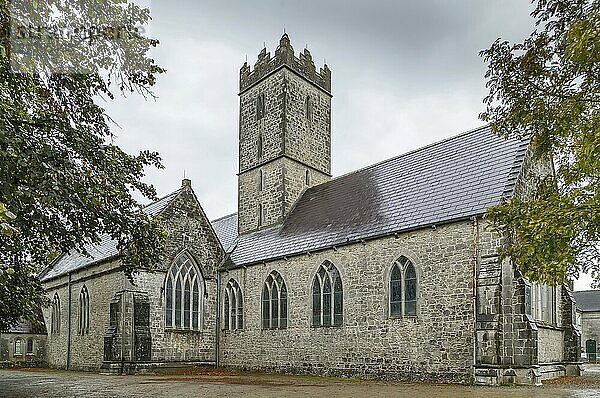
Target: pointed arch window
column 18, row 347
column 30, row 346
column 328, row 296
column 274, row 302
column 307, row 178
column 84, row 311
column 55, row 316
column 233, row 306
column 403, row 288
column 184, row 292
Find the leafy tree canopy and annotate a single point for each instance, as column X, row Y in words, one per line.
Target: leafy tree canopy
column 547, row 88
column 63, row 183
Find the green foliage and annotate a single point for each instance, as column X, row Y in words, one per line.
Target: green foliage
column 548, row 88
column 63, row 183
column 5, row 219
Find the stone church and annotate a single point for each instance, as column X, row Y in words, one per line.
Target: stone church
column 391, row 271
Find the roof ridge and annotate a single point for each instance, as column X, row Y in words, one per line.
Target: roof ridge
column 407, row 153
column 224, row 217
column 161, row 198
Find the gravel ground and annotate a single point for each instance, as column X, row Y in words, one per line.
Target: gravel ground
column 211, row 383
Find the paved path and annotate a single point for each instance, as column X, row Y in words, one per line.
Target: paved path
column 59, row 384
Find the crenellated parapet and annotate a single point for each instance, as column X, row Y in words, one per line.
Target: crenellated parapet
column 284, row 55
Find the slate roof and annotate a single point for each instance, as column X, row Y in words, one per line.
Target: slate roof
column 26, row 327
column 588, row 300
column 226, row 229
column 450, row 180
column 101, row 251
column 446, row 181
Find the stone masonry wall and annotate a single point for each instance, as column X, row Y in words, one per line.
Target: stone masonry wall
column 550, row 346
column 284, row 180
column 189, row 230
column 87, row 350
column 8, row 356
column 307, row 140
column 437, row 344
column 572, row 336
column 271, row 126
column 290, row 139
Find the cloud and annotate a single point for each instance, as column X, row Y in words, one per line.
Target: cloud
column 405, row 74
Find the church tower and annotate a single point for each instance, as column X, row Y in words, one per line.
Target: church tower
column 285, row 134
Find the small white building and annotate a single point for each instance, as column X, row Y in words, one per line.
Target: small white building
column 588, row 314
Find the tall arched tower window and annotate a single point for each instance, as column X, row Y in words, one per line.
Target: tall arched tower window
column 55, row 317
column 308, row 108
column 233, row 306
column 259, row 145
column 261, row 110
column 261, row 180
column 84, row 311
column 328, row 296
column 403, row 288
column 184, row 292
column 274, row 302
column 261, row 215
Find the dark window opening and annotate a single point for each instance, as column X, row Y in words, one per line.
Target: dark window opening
column 308, row 108
column 260, row 147
column 84, row 311
column 260, row 107
column 55, row 321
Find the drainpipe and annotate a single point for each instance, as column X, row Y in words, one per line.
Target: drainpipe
column 218, row 319
column 475, row 262
column 69, row 325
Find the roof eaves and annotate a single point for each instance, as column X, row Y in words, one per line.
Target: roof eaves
column 50, row 266
column 93, row 263
column 352, row 241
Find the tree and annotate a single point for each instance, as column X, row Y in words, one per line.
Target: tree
column 63, row 183
column 547, row 88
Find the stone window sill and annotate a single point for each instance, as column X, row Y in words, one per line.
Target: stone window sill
column 173, row 330
column 327, row 326
column 400, row 317
column 232, row 330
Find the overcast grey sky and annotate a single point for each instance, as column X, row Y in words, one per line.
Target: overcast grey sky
column 405, row 74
